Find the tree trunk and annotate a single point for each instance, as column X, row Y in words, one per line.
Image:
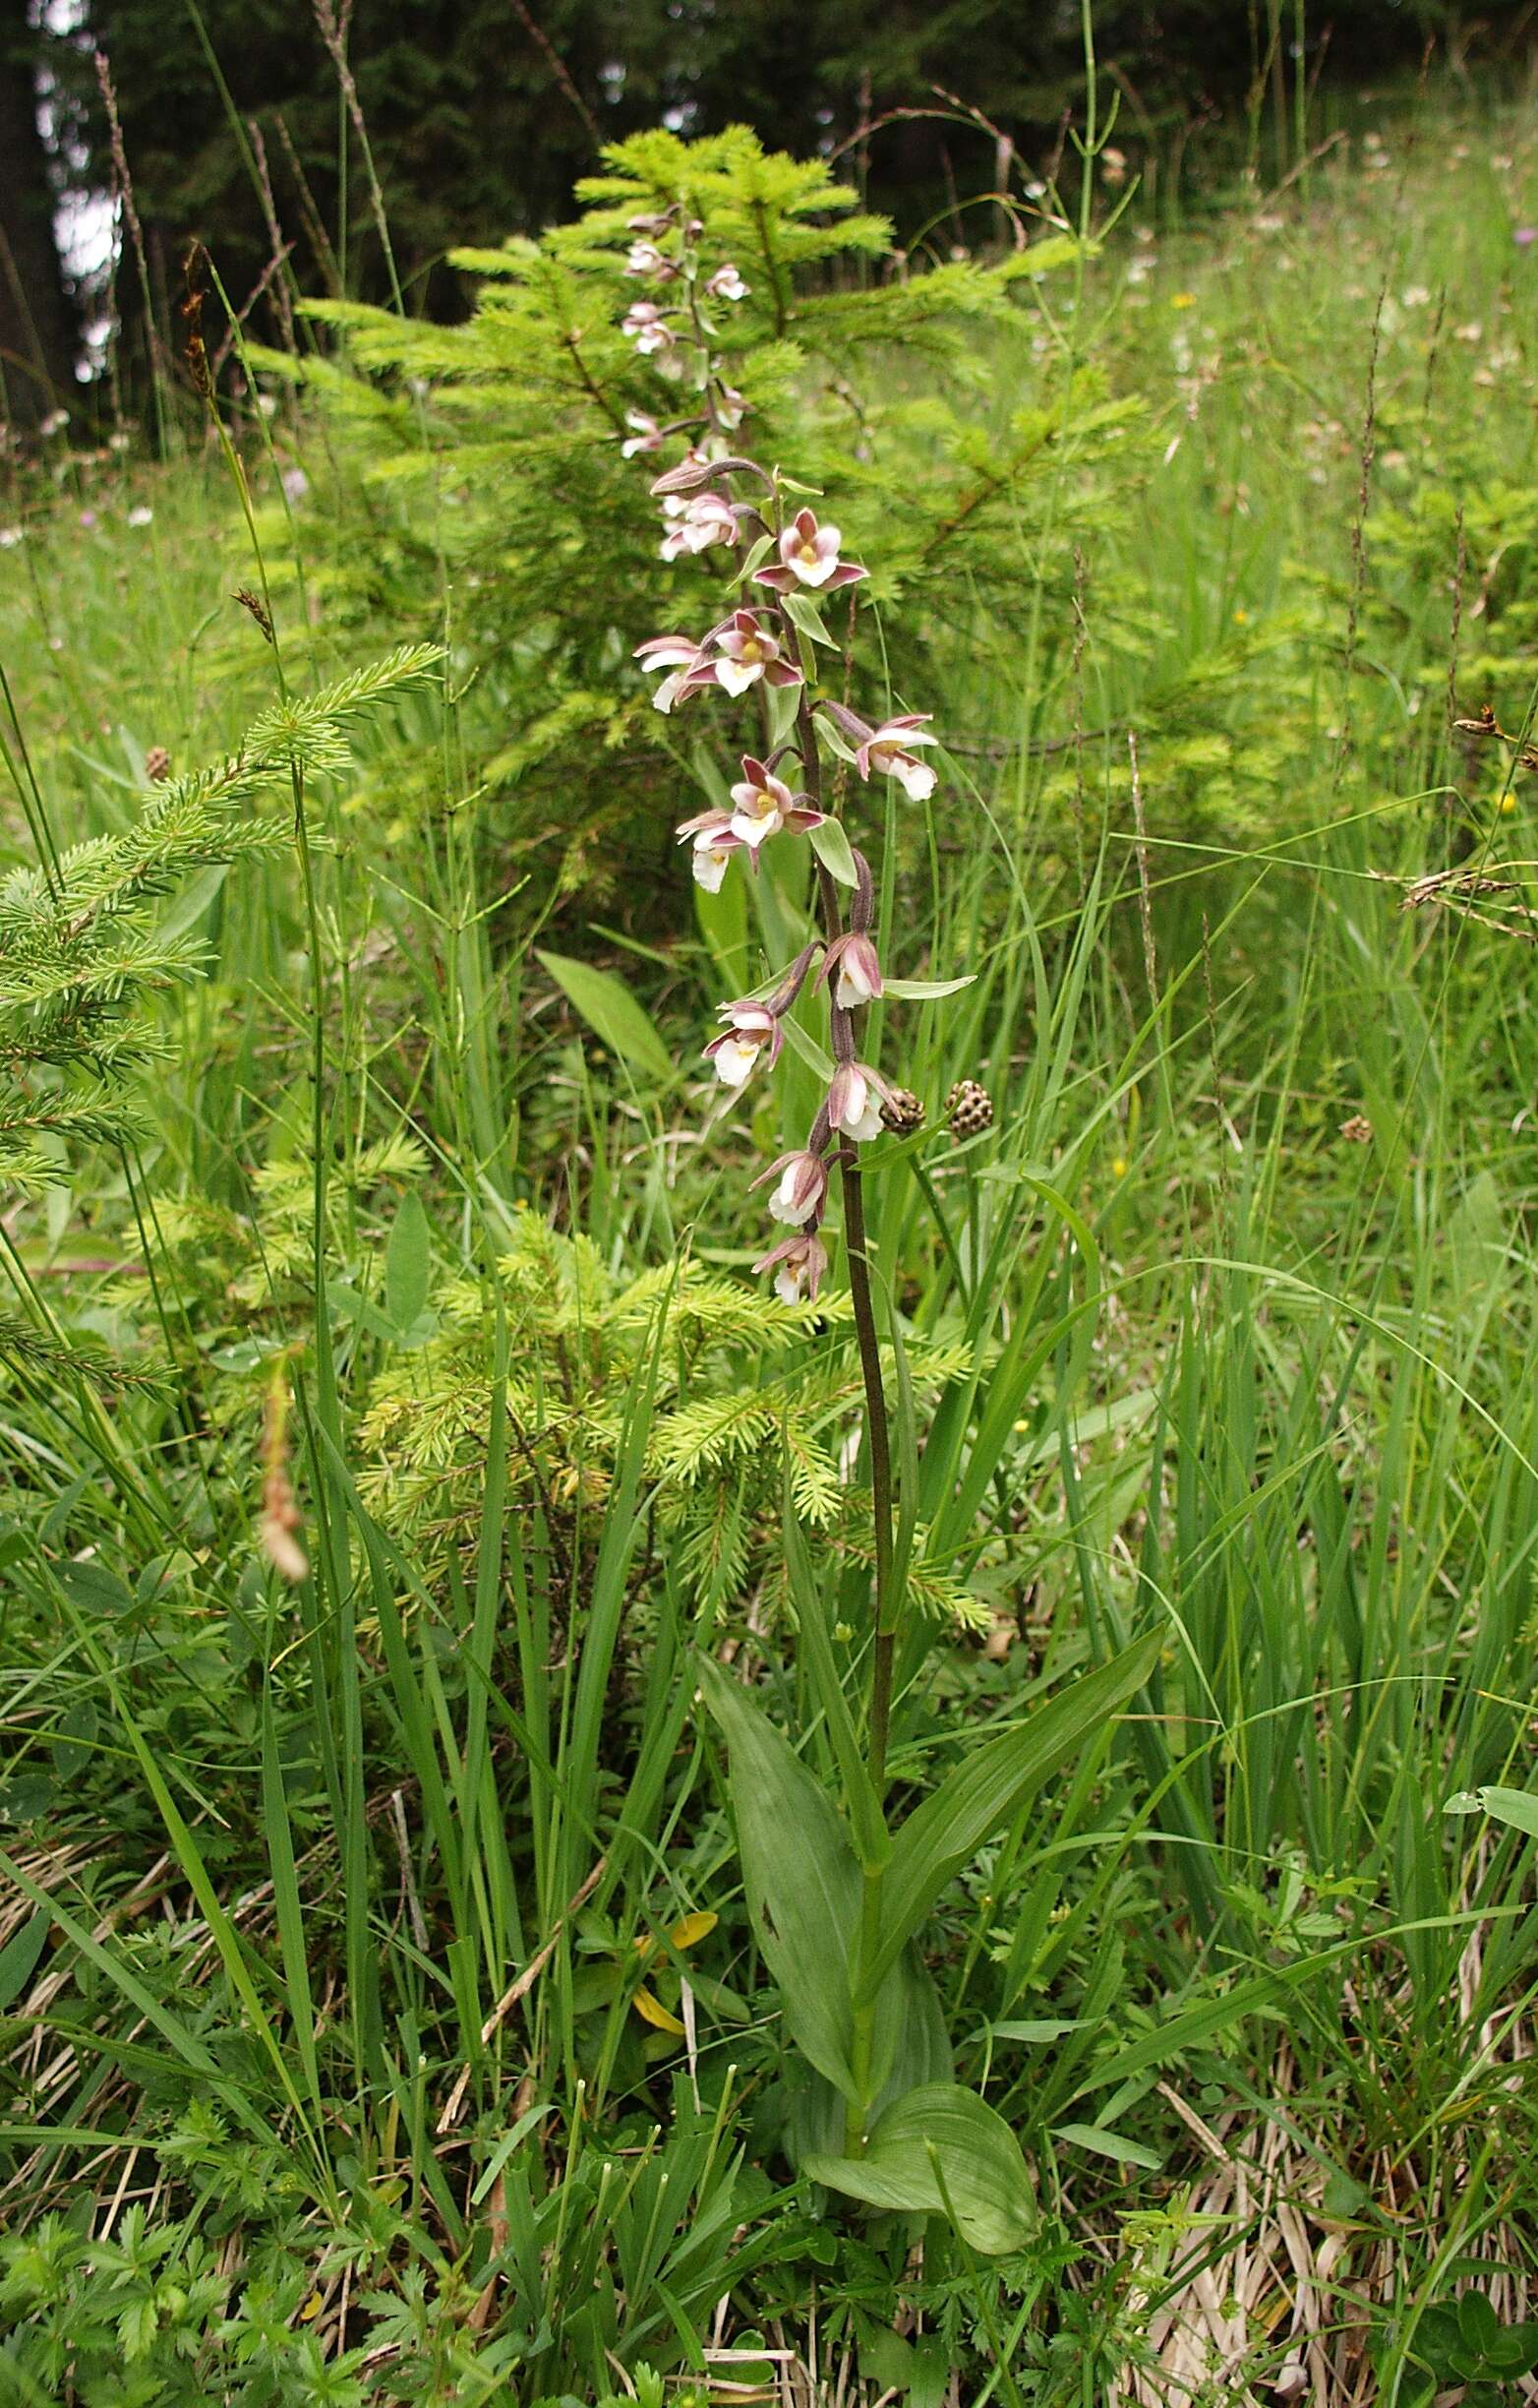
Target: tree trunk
column 37, row 330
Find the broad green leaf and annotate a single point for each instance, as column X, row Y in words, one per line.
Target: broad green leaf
column 866, row 1822
column 611, row 1013
column 407, row 1262
column 345, row 1299
column 19, row 1958
column 925, row 991
column 806, row 615
column 838, row 745
column 783, row 703
column 722, row 918
column 832, row 848
column 989, row 1786
column 1107, row 2144
column 911, row 2043
column 910, row 2046
column 1517, row 1807
column 194, row 900
column 803, row 1882
column 808, row 1047
column 941, row 2151
column 94, row 1587
column 1046, row 2027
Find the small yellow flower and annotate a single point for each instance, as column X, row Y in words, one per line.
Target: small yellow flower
column 1119, row 1166
column 1241, row 617
column 1507, row 802
column 1182, row 300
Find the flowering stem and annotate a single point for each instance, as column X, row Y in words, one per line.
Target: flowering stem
column 733, row 656
column 856, row 1242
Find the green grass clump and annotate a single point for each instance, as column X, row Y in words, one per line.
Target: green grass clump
column 382, row 2017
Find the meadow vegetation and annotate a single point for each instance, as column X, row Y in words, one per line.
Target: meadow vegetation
column 395, row 1435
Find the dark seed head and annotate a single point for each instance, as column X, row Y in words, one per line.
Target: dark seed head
column 902, row 1112
column 968, row 1108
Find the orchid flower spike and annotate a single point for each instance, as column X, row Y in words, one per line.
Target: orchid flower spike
column 890, row 748
column 752, row 1028
column 855, row 1101
column 763, row 804
column 749, row 653
column 851, row 962
column 800, row 1265
column 810, row 555
column 727, row 284
column 802, row 1187
column 714, row 843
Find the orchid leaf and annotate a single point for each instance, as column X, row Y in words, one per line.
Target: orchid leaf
column 805, row 614
column 990, row 1787
column 941, row 2151
column 925, row 991
column 803, row 1882
column 832, row 848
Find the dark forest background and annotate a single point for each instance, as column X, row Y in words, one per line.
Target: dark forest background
column 482, row 113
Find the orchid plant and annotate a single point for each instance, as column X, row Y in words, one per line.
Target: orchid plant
column 836, row 1899
column 719, row 499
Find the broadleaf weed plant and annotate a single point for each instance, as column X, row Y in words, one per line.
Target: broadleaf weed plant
column 837, row 1899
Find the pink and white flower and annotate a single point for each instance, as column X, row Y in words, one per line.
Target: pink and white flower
column 853, row 964
column 801, row 1189
column 762, row 805
column 752, row 1028
column 748, row 651
column 810, row 555
column 711, row 842
column 730, row 406
column 727, row 284
column 696, row 525
column 690, row 665
column 855, row 1101
column 890, row 748
column 645, row 435
column 647, row 329
column 645, row 260
column 800, row 1265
